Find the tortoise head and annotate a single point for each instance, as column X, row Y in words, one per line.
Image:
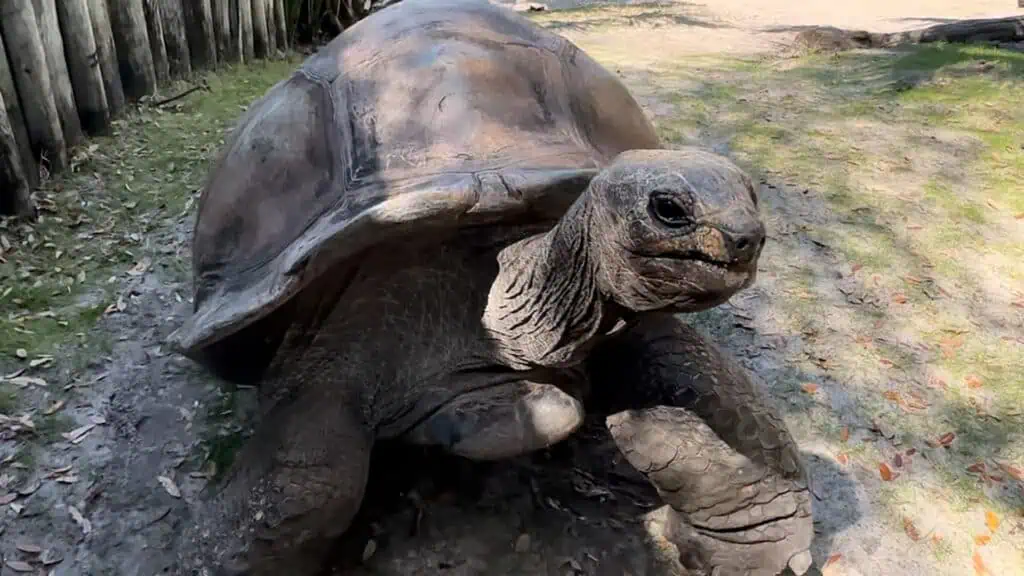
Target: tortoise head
column 674, row 230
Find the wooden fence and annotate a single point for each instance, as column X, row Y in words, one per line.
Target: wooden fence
column 69, row 67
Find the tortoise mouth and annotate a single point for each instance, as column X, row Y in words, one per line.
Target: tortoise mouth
column 709, row 282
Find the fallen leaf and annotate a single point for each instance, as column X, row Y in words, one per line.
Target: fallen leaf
column 21, row 353
column 169, row 486
column 28, row 548
column 899, row 298
column 973, row 381
column 19, row 566
column 911, row 451
column 912, row 280
column 885, row 472
column 82, row 522
column 1015, row 471
column 977, row 467
column 842, row 458
column 991, row 520
column 810, row 387
column 369, row 549
column 8, row 498
column 947, row 438
column 892, row 395
column 885, row 362
column 897, row 460
column 833, row 559
column 844, row 435
column 1019, row 216
column 911, row 529
column 26, row 381
column 78, row 434
column 54, row 408
column 979, row 564
column 982, row 539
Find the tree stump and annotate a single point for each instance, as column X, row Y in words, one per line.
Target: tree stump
column 15, row 191
column 201, row 41
column 83, row 67
column 282, row 25
column 179, row 57
column 245, row 32
column 106, row 55
column 32, row 80
column 134, row 57
column 261, row 47
column 157, row 45
column 60, row 79
column 17, row 119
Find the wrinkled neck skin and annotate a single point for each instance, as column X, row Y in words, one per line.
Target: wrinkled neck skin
column 546, row 306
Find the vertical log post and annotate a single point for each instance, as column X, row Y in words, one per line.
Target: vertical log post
column 83, row 65
column 15, row 193
column 201, row 41
column 157, row 45
column 259, row 28
column 268, row 7
column 17, row 119
column 179, row 57
column 32, row 79
column 222, row 30
column 106, row 54
column 134, row 58
column 282, row 25
column 60, row 79
column 245, row 30
column 237, row 50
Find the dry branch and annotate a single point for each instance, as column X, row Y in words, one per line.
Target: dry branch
column 106, row 55
column 980, row 30
column 83, row 66
column 60, row 79
column 32, row 79
column 17, row 118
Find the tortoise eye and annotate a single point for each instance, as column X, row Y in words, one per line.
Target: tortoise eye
column 667, row 209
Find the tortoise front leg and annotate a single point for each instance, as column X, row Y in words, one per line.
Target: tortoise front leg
column 293, row 489
column 689, row 417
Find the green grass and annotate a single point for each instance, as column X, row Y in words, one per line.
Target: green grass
column 106, row 215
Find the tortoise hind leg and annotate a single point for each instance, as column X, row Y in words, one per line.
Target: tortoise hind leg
column 501, row 421
column 292, row 490
column 690, row 418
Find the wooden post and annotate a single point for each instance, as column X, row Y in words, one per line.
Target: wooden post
column 157, row 46
column 201, row 41
column 268, row 7
column 245, row 30
column 83, row 66
column 15, row 191
column 179, row 56
column 60, row 80
column 32, row 79
column 134, row 58
column 17, row 119
column 281, row 19
column 236, row 50
column 259, row 28
column 222, row 30
column 106, row 54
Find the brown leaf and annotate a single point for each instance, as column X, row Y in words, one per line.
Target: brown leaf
column 899, row 298
column 8, row 498
column 977, row 467
column 912, row 279
column 911, row 451
column 833, row 559
column 950, row 345
column 842, row 458
column 910, row 529
column 844, row 434
column 1019, row 216
column 979, row 564
column 885, row 472
column 1015, row 471
column 19, row 566
column 991, row 520
column 885, row 362
column 947, row 438
column 854, row 268
column 982, row 539
column 892, row 395
column 897, row 460
column 973, row 381
column 810, row 387
column 28, row 548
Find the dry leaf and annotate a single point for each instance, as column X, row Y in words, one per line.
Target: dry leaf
column 8, row 498
column 842, row 458
column 991, row 520
column 892, row 395
column 1015, row 471
column 947, row 438
column 897, row 460
column 28, row 548
column 19, row 566
column 78, row 434
column 844, row 435
column 21, row 353
column 810, row 387
column 979, row 564
column 982, row 539
column 833, row 559
column 885, row 362
column 25, row 381
column 885, row 472
column 899, row 298
column 169, row 486
column 977, row 467
column 54, row 408
column 973, row 381
column 80, row 520
column 910, row 529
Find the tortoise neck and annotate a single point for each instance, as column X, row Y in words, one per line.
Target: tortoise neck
column 545, row 307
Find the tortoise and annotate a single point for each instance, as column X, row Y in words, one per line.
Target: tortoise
column 454, row 228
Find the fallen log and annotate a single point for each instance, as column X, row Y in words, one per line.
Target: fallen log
column 15, row 191
column 974, row 31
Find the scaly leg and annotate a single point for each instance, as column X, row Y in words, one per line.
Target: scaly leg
column 294, row 488
column 689, row 417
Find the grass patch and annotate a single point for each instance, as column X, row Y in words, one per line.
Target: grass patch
column 106, row 216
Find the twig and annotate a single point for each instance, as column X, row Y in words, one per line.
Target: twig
column 165, row 101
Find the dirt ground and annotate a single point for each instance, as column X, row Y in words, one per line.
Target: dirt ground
column 887, row 321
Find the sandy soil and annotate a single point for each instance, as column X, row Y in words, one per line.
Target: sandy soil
column 572, row 510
